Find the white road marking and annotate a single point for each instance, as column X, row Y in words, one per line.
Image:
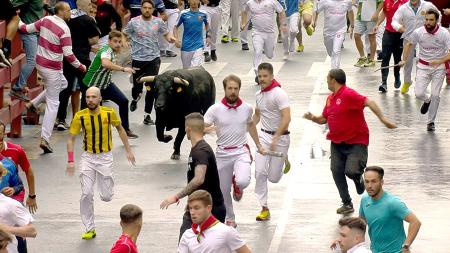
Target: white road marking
column 164, row 66
column 214, row 68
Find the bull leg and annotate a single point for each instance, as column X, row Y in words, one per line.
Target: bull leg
column 177, row 144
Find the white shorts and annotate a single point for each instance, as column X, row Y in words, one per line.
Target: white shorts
column 292, row 22
column 192, row 59
column 364, row 27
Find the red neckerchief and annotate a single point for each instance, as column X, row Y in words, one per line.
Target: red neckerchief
column 271, row 86
column 210, row 222
column 434, row 31
column 235, row 106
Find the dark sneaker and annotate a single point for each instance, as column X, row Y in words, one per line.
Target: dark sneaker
column 213, row 55
column 279, row 38
column 245, row 46
column 345, row 209
column 44, row 145
column 170, row 54
column 397, row 83
column 31, row 107
column 382, row 88
column 62, row 126
column 19, row 95
column 425, row 106
column 207, row 57
column 359, row 183
column 133, row 105
column 431, row 127
column 162, row 53
column 131, row 135
column 148, row 120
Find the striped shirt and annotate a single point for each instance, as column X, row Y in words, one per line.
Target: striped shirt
column 97, row 136
column 54, row 42
column 97, row 75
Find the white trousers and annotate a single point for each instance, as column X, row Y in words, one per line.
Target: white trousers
column 213, row 14
column 172, row 16
column 192, row 58
column 231, row 163
column 289, row 41
column 55, row 82
column 269, row 167
column 333, row 44
column 262, row 41
column 407, row 69
column 244, row 32
column 95, row 168
column 227, row 6
column 436, row 78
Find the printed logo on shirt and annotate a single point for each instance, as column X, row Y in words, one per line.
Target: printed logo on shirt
column 338, row 101
column 422, row 13
column 200, row 18
column 189, row 163
column 155, row 27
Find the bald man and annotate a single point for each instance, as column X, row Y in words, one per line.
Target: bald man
column 96, row 162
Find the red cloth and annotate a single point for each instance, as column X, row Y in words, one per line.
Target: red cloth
column 389, row 9
column 16, row 153
column 344, row 112
column 211, row 221
column 124, row 245
column 271, row 86
column 235, row 106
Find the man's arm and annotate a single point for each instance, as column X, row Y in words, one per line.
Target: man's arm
column 413, row 228
column 284, row 122
column 316, row 119
column 24, row 231
column 243, row 19
column 243, row 249
column 107, row 63
column 254, row 134
column 124, row 138
column 377, row 111
column 351, row 17
column 440, row 61
column 70, row 162
column 169, row 37
column 31, row 203
column 406, row 49
column 376, row 14
column 396, row 19
column 200, row 172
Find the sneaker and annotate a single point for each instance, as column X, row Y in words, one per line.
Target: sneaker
column 279, row 38
column 131, row 135
column 309, row 30
column 19, row 95
column 405, row 88
column 231, row 223
column 31, row 107
column 359, row 183
column 4, row 59
column 300, row 48
column 133, row 105
column 44, row 145
column 148, row 120
column 263, row 215
column 171, row 54
column 382, row 88
column 345, row 209
column 397, row 83
column 207, row 57
column 89, row 235
column 361, row 61
column 425, row 106
column 287, row 166
column 369, row 63
column 234, row 40
column 225, row 39
column 237, row 192
column 213, row 55
column 162, row 53
column 245, row 46
column 431, row 127
column 62, row 126
column 379, row 56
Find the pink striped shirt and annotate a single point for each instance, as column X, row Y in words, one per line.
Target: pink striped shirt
column 54, row 42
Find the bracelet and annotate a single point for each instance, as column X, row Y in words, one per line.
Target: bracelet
column 32, row 196
column 70, row 157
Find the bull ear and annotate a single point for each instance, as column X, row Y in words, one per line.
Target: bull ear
column 180, row 80
column 146, row 79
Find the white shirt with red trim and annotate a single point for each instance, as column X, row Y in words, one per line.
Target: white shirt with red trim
column 432, row 46
column 270, row 104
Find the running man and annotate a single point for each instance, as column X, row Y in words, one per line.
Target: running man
column 292, row 20
column 273, row 110
column 306, row 9
column 212, row 10
column 434, row 57
column 263, row 36
column 96, row 160
column 232, row 120
column 335, row 26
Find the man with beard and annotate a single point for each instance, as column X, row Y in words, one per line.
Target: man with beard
column 202, row 172
column 384, row 214
column 96, row 160
column 232, row 120
column 434, row 57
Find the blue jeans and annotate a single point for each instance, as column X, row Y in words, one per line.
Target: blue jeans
column 30, row 44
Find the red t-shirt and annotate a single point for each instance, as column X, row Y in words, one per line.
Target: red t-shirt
column 16, row 153
column 389, row 9
column 124, row 245
column 344, row 112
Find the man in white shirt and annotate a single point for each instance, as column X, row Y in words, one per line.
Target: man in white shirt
column 208, row 235
column 273, row 110
column 335, row 26
column 351, row 236
column 232, row 120
column 15, row 219
column 434, row 57
column 408, row 18
column 263, row 36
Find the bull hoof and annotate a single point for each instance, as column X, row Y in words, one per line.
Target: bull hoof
column 167, row 138
column 175, row 156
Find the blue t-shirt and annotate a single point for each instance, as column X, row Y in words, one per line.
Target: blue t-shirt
column 11, row 178
column 192, row 22
column 291, row 7
column 385, row 220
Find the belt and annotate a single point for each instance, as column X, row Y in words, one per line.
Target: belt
column 447, row 66
column 245, row 145
column 273, row 132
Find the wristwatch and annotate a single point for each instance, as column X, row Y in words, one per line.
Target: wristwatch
column 405, row 247
column 32, row 196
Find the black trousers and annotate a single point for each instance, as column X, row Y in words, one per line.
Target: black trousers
column 392, row 44
column 114, row 94
column 218, row 211
column 145, row 68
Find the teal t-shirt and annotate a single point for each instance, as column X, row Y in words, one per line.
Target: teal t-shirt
column 385, row 220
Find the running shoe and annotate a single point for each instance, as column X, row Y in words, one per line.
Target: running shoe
column 44, row 145
column 89, row 235
column 62, row 126
column 19, row 95
column 263, row 215
column 237, row 192
column 369, row 63
column 345, row 209
column 300, row 48
column 405, row 88
column 245, row 46
column 431, row 127
column 133, row 105
column 287, row 166
column 148, row 120
column 235, row 39
column 397, row 83
column 4, row 59
column 131, row 135
column 213, row 55
column 382, row 88
column 225, row 39
column 162, row 53
column 425, row 106
column 279, row 38
column 207, row 57
column 309, row 30
column 360, row 63
column 171, row 54
column 231, row 223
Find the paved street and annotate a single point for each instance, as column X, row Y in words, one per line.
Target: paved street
column 303, row 204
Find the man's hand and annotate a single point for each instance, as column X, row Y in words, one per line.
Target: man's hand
column 447, row 12
column 130, row 158
column 129, row 70
column 375, row 29
column 32, row 206
column 8, row 191
column 308, row 116
column 374, row 17
column 401, row 63
column 168, row 201
column 388, row 124
column 273, row 145
column 70, row 169
column 435, row 63
column 334, row 245
column 261, row 149
column 82, row 68
column 401, row 29
column 177, row 43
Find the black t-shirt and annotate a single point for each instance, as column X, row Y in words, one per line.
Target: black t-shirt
column 106, row 16
column 7, row 11
column 202, row 154
column 82, row 28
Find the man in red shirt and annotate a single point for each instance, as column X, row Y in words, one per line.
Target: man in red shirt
column 16, row 153
column 131, row 223
column 349, row 134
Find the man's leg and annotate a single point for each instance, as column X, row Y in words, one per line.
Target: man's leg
column 225, row 169
column 70, row 75
column 258, row 45
column 105, row 182
column 261, row 174
column 224, row 6
column 136, row 90
column 355, row 164
column 293, row 30
column 338, row 40
column 214, row 26
column 197, row 59
column 360, row 28
column 423, row 78
column 30, row 46
column 87, row 180
column 407, row 69
column 387, row 49
column 269, row 44
column 171, row 22
column 276, row 164
column 151, row 69
column 235, row 9
column 437, row 80
column 186, row 59
column 337, row 165
column 114, row 94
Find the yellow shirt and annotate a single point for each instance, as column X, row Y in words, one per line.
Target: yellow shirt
column 97, row 128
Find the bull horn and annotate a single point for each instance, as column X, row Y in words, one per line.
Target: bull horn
column 147, row 79
column 180, row 80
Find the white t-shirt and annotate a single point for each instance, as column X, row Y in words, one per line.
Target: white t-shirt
column 231, row 124
column 270, row 104
column 335, row 15
column 14, row 214
column 431, row 46
column 359, row 248
column 218, row 239
column 262, row 12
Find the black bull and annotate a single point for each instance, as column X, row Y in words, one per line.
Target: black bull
column 179, row 93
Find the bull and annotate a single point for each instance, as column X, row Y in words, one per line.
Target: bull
column 178, row 93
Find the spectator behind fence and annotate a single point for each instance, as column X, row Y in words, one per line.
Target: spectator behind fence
column 131, row 223
column 8, row 14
